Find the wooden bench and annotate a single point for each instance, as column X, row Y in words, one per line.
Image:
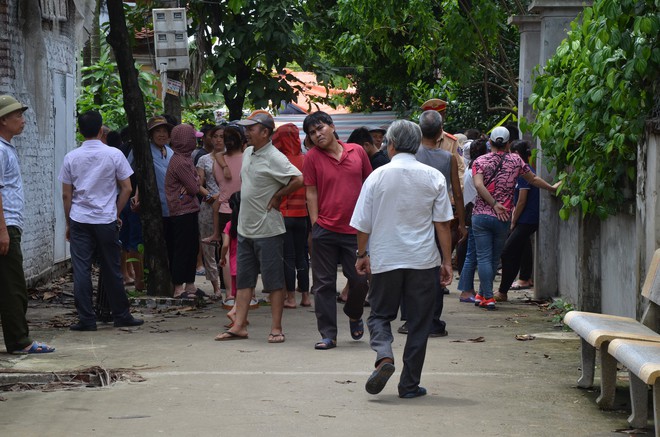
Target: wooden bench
column 598, row 331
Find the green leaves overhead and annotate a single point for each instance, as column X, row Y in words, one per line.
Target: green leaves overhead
column 463, row 48
column 247, row 45
column 593, row 99
column 103, row 91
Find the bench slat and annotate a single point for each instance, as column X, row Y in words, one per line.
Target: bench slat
column 641, row 357
column 599, row 328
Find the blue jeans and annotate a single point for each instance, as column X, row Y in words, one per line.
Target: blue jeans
column 489, row 237
column 466, row 283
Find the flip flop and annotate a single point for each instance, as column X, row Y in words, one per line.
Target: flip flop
column 357, row 329
column 276, row 338
column 35, row 348
column 200, row 293
column 305, row 305
column 517, row 286
column 186, row 295
column 325, row 344
column 230, row 336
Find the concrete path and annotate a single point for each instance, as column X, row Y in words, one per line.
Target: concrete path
column 198, row 387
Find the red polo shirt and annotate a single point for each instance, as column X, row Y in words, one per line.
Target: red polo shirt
column 338, row 184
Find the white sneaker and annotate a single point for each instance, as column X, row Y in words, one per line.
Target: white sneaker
column 254, row 304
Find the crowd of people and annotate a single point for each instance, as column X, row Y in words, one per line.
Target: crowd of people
column 247, row 199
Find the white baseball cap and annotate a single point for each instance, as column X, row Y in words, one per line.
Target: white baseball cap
column 499, row 132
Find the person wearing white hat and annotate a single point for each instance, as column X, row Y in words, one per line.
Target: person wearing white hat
column 495, row 175
column 13, row 291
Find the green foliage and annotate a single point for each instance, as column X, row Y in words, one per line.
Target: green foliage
column 103, row 91
column 466, row 108
column 247, row 44
column 559, row 308
column 198, row 109
column 592, row 101
column 395, row 52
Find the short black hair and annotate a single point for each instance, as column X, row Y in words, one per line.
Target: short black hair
column 89, row 123
column 206, row 127
column 472, row 134
column 234, row 138
column 478, row 147
column 514, row 133
column 114, row 139
column 316, row 118
column 360, row 136
column 521, row 147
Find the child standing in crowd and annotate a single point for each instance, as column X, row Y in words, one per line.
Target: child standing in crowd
column 229, row 247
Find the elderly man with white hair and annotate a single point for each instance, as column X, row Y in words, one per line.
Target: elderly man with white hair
column 403, row 207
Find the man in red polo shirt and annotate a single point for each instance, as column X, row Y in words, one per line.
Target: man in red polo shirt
column 333, row 173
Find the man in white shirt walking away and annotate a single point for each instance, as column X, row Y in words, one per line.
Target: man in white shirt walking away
column 402, row 208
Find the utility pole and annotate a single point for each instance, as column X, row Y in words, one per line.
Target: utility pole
column 171, row 42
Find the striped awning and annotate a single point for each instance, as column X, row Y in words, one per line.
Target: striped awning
column 344, row 123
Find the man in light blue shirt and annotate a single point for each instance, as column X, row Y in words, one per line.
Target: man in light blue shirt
column 13, row 289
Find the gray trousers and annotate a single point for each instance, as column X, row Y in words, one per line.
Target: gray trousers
column 85, row 239
column 329, row 248
column 417, row 289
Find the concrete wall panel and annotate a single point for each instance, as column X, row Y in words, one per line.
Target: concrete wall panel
column 566, row 249
column 619, row 261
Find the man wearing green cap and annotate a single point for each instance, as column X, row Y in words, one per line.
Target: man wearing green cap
column 13, row 292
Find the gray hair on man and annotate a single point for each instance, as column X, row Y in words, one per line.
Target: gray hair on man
column 430, row 122
column 404, row 135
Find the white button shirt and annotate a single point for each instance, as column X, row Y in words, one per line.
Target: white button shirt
column 397, row 207
column 93, row 169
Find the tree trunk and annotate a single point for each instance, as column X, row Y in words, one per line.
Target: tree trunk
column 155, row 261
column 235, row 99
column 95, row 43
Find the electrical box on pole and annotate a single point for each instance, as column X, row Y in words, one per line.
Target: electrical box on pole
column 171, row 39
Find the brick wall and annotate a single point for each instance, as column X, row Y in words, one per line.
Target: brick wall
column 28, row 74
column 7, row 73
